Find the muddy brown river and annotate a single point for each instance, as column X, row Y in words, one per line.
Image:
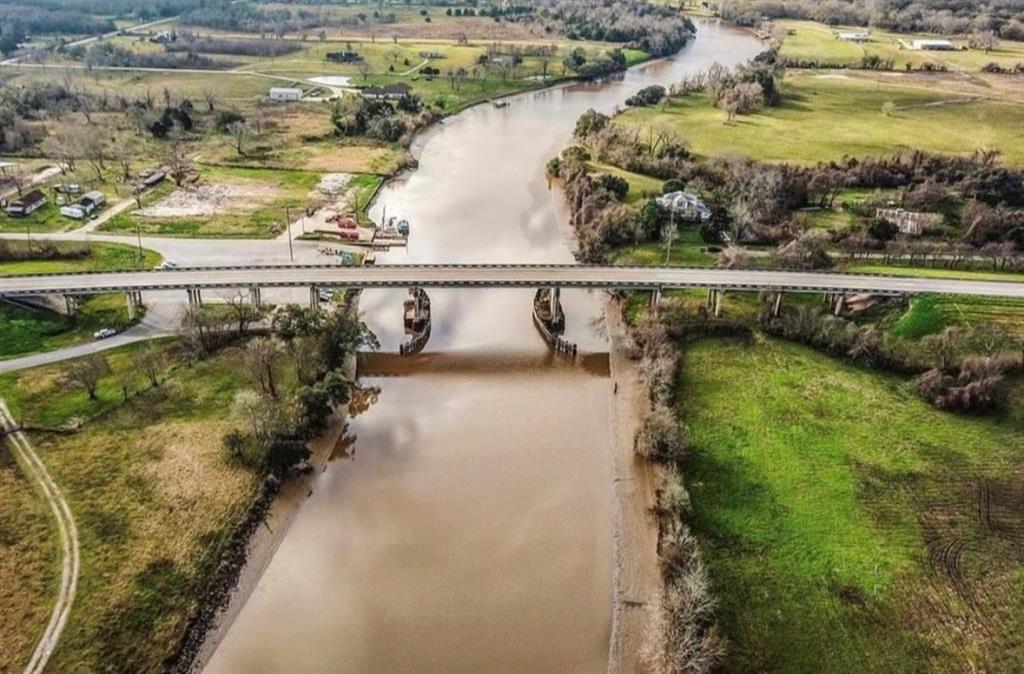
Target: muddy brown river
column 466, row 525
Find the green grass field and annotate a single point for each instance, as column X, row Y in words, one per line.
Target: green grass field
column 838, row 516
column 154, row 497
column 810, row 41
column 685, row 252
column 930, row 314
column 829, row 116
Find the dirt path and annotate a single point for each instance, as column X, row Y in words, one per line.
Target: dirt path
column 636, row 579
column 36, row 471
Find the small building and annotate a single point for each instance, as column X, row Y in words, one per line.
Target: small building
column 84, row 207
column 431, row 55
column 933, row 45
column 285, row 94
column 164, row 37
column 855, row 36
column 396, row 90
column 911, row 223
column 27, row 204
column 685, row 205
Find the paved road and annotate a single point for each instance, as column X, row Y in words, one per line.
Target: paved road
column 494, row 276
column 36, row 471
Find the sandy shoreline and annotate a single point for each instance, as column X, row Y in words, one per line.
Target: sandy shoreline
column 267, row 538
column 636, row 578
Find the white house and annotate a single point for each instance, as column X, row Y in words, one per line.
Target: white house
column 285, row 94
column 857, row 36
column 685, row 205
column 933, row 45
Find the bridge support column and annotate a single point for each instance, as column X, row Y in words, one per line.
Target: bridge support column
column 715, row 301
column 314, row 297
column 255, row 298
column 655, row 298
column 835, row 302
column 774, row 300
column 554, row 300
column 70, row 305
column 133, row 300
column 195, row 298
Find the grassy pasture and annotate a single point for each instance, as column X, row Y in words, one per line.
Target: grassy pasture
column 838, row 516
column 817, row 42
column 154, row 497
column 828, row 116
column 98, row 257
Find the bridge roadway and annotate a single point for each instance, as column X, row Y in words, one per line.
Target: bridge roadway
column 494, row 276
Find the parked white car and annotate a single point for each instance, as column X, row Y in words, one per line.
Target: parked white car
column 167, row 264
column 104, row 333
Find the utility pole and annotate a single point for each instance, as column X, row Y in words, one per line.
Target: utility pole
column 288, row 225
column 671, row 233
column 138, row 237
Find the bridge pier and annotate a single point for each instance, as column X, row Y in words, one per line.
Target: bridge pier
column 70, row 305
column 255, row 298
column 655, row 298
column 835, row 302
column 774, row 303
column 555, row 300
column 133, row 300
column 715, row 301
column 314, row 297
column 195, row 298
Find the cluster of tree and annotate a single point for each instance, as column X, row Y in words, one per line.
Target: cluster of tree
column 121, row 9
column 743, row 90
column 191, row 43
column 256, row 18
column 655, row 149
column 19, row 21
column 979, row 386
column 590, row 66
column 657, row 29
column 107, row 54
column 380, row 119
column 17, row 251
column 647, row 96
column 996, row 69
column 280, row 422
column 1001, row 17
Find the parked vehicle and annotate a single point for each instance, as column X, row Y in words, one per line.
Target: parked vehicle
column 167, row 265
column 104, row 333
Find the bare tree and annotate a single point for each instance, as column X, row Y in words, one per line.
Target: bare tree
column 86, row 373
column 210, row 96
column 176, row 158
column 240, row 132
column 259, row 411
column 94, row 150
column 261, row 360
column 241, row 309
column 150, row 362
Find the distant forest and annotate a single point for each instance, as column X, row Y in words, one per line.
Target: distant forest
column 1002, row 17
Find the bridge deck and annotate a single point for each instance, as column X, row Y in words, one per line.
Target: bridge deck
column 495, row 276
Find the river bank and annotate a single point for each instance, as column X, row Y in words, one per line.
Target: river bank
column 636, row 579
column 279, row 513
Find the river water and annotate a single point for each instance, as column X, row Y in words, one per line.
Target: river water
column 466, row 525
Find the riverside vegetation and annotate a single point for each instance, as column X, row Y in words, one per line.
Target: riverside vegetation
column 847, row 537
column 162, row 451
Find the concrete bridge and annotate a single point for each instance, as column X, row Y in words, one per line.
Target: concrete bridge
column 196, row 279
